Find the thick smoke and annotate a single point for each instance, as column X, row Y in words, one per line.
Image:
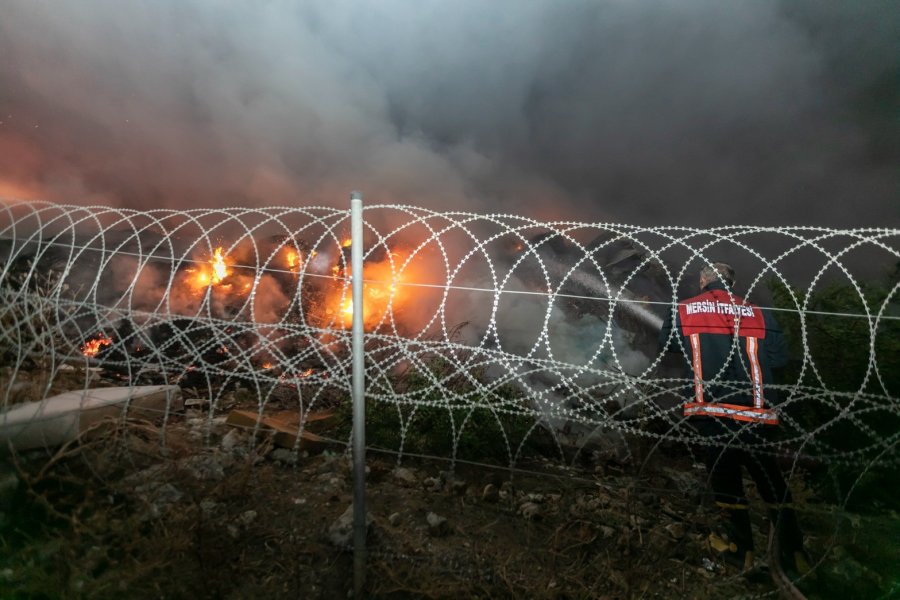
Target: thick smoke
column 663, row 112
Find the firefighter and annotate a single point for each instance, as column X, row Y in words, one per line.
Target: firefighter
column 732, row 347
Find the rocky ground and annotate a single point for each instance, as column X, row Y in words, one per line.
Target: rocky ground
column 220, row 514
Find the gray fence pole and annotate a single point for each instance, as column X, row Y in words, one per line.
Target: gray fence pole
column 359, row 401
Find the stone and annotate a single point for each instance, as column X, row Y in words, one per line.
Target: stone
column 437, row 525
column 490, row 493
column 340, row 533
column 204, row 426
column 159, row 497
column 208, row 508
column 206, row 467
column 405, row 475
column 196, row 403
column 433, row 484
column 284, row 456
column 530, row 510
column 458, row 486
column 231, row 440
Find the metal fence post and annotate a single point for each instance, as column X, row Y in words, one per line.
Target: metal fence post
column 359, row 402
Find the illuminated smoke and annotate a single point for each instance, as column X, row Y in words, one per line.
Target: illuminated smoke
column 697, row 111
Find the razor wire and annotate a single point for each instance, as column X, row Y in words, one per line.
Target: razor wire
column 540, row 338
column 496, row 317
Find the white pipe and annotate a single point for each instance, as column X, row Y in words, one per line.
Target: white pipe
column 359, row 401
column 63, row 418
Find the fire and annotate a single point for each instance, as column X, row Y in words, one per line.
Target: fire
column 219, row 268
column 347, row 308
column 92, row 347
column 324, row 301
column 292, row 380
column 214, row 272
column 293, row 258
column 267, row 365
column 383, row 292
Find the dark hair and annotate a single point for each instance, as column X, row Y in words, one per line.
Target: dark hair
column 718, row 271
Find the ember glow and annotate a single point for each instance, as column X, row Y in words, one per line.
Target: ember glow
column 214, row 272
column 269, row 281
column 383, row 292
column 91, row 347
column 293, row 259
column 219, row 268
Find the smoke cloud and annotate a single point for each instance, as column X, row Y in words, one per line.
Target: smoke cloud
column 654, row 111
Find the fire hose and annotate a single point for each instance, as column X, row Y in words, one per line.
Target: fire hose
column 782, row 582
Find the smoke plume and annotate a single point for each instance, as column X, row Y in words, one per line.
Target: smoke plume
column 694, row 112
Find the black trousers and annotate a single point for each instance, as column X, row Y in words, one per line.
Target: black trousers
column 731, row 451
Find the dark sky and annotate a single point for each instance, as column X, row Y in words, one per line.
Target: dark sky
column 661, row 112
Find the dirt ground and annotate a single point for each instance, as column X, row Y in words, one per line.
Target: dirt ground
column 217, row 513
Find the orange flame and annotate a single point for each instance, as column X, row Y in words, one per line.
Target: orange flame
column 293, row 258
column 217, row 270
column 347, row 308
column 92, row 347
column 382, row 293
column 347, row 243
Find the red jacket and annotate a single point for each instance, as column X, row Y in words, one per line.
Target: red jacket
column 732, row 347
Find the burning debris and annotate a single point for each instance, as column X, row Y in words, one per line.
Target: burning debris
column 297, row 286
column 92, row 347
column 213, row 273
column 274, row 310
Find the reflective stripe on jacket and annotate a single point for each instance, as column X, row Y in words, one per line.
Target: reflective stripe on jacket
column 732, row 346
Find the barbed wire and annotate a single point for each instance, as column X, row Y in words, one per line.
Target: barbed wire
column 348, row 280
column 618, row 366
column 484, row 332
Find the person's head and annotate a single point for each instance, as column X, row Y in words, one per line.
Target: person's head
column 717, row 272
